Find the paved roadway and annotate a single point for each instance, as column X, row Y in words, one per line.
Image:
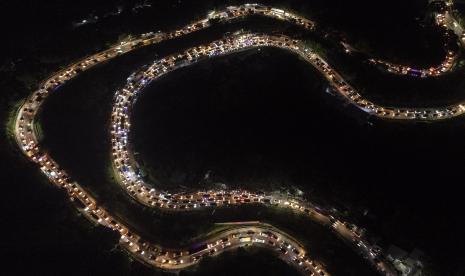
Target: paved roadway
column 124, row 164
column 126, row 168
column 442, row 13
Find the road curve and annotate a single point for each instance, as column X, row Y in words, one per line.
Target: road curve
column 27, row 140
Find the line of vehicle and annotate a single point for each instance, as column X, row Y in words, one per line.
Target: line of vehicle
column 29, row 144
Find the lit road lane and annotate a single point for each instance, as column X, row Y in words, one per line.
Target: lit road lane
column 445, row 20
column 87, row 204
column 124, row 164
column 50, row 166
column 26, row 137
column 258, row 235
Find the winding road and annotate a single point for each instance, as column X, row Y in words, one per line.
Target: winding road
column 126, row 168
